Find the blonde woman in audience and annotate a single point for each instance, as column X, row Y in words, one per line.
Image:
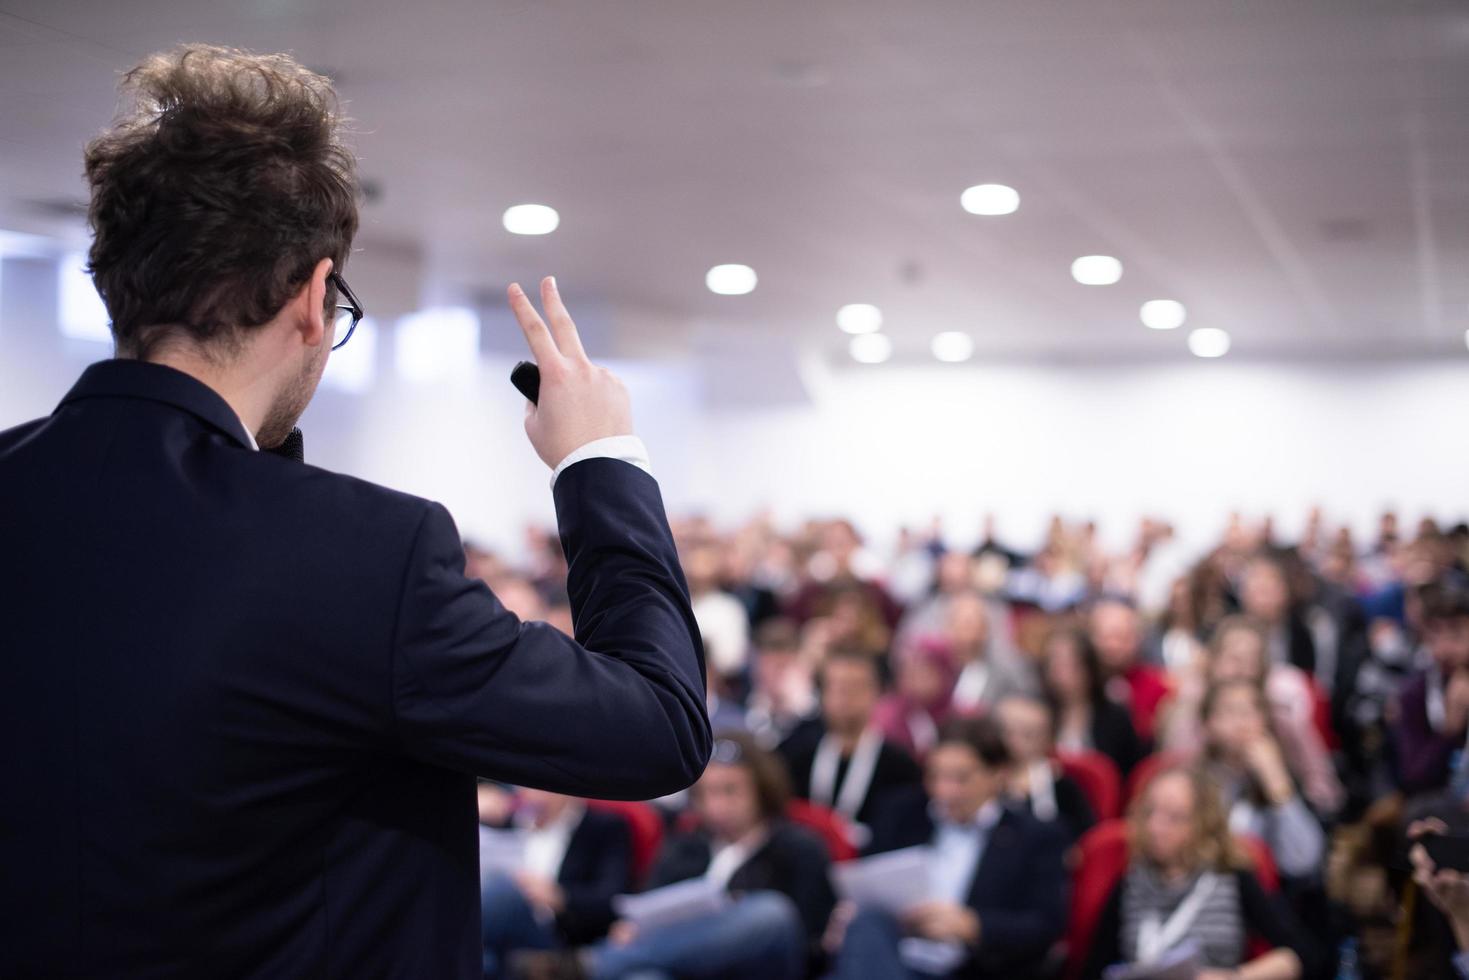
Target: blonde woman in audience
column 1189, row 895
column 1237, row 652
column 1245, row 759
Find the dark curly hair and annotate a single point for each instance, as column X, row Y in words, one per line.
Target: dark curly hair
column 214, row 195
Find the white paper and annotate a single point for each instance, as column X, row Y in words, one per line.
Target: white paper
column 930, row 955
column 670, row 904
column 895, row 881
column 1179, row 963
column 500, row 851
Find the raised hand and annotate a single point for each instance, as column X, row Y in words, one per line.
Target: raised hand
column 579, row 401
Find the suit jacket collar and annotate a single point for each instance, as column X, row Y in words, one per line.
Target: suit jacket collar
column 122, row 378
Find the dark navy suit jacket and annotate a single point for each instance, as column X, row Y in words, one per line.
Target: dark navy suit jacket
column 243, row 700
column 1019, row 889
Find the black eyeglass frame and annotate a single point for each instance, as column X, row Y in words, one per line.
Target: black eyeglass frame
column 355, row 309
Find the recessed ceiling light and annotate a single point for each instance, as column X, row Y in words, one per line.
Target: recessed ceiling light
column 731, row 280
column 990, row 199
column 1208, row 342
column 1096, row 270
column 952, row 346
column 870, row 348
column 1163, row 314
column 859, row 318
column 531, row 219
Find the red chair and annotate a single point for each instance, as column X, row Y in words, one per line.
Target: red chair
column 829, row 825
column 1103, row 856
column 1098, row 778
column 1144, row 771
column 1102, row 860
column 646, row 828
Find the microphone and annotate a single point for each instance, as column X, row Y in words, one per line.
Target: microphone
column 292, row 447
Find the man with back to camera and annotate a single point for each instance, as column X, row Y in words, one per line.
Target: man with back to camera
column 244, row 700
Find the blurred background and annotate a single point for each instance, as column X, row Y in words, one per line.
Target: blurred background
column 1215, row 262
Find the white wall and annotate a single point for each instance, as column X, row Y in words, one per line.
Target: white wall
column 1190, row 442
column 891, row 444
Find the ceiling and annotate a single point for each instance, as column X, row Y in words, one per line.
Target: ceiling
column 1296, row 173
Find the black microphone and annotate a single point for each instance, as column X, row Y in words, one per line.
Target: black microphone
column 292, row 447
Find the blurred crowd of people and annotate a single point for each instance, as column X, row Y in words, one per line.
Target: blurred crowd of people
column 1234, row 763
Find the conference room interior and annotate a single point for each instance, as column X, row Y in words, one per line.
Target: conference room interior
column 1059, row 408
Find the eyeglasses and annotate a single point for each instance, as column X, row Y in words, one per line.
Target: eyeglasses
column 349, row 316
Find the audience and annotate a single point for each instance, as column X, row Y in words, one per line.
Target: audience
column 997, row 886
column 1116, row 634
column 845, row 763
column 1036, row 780
column 1086, row 719
column 783, row 691
column 1237, row 652
column 1433, row 708
column 776, row 873
column 1257, row 789
column 1312, row 697
column 983, row 678
column 1188, row 893
column 909, row 716
column 574, row 860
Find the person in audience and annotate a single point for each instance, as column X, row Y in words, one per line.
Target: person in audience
column 1237, row 652
column 1036, row 779
column 832, row 570
column 1176, row 638
column 1245, row 760
column 983, row 679
column 997, row 888
column 776, row 873
column 723, row 620
column 846, row 764
column 574, row 860
column 1265, row 594
column 1116, row 633
column 1086, row 719
column 1188, row 892
column 782, row 698
column 1447, row 890
column 909, row 716
column 1433, row 706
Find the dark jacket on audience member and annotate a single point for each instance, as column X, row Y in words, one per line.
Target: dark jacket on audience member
column 792, row 861
column 1265, row 916
column 1019, row 889
column 596, row 866
column 895, row 769
column 1114, row 736
column 1074, row 814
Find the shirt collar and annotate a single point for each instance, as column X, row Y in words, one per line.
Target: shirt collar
column 984, row 819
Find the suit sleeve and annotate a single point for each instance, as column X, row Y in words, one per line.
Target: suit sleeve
column 618, row 712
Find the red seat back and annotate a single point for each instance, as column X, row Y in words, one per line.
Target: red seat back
column 646, row 828
column 829, row 825
column 1102, row 860
column 1098, row 778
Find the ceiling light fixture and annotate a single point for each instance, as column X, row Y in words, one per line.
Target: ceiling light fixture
column 531, row 219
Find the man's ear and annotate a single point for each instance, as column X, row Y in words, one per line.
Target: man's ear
column 311, row 319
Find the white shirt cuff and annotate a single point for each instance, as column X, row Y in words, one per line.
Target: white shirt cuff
column 629, row 449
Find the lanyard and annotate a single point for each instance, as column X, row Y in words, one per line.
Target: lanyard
column 849, row 799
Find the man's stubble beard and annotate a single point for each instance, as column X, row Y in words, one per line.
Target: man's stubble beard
column 291, row 402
